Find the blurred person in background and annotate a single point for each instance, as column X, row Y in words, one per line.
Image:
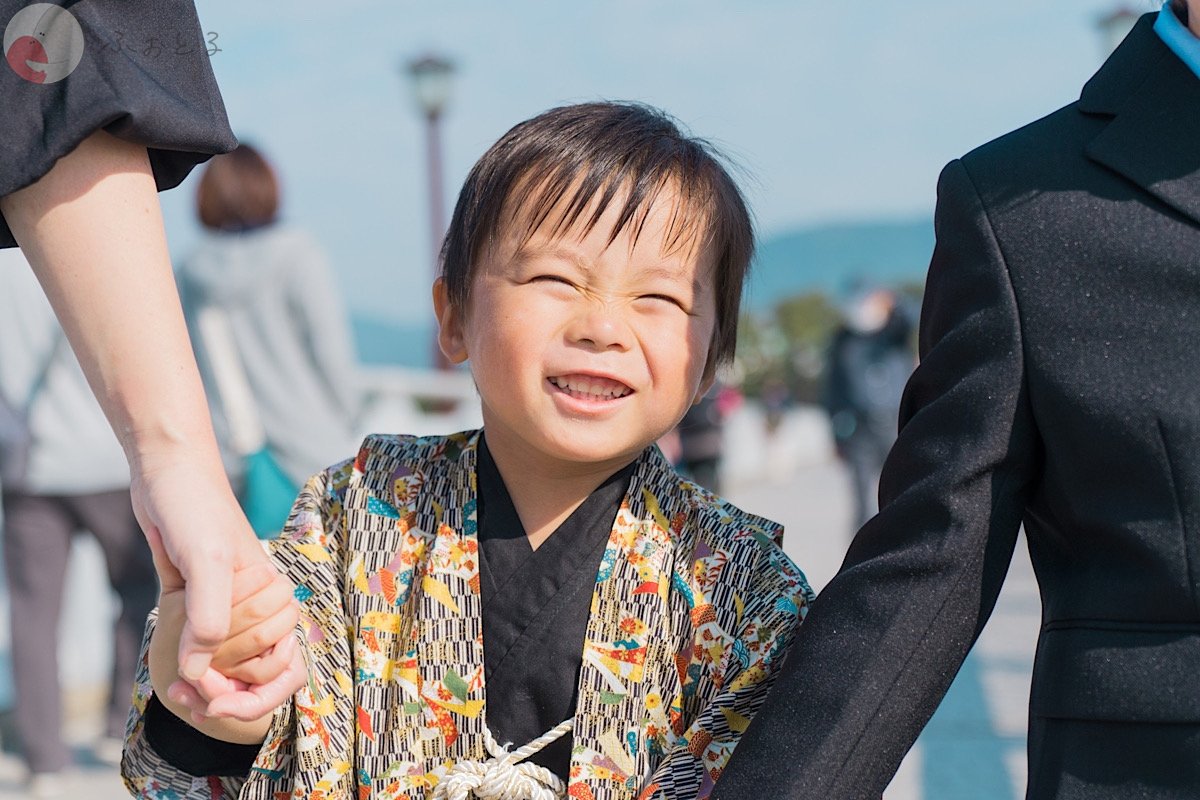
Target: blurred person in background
column 702, row 436
column 776, row 398
column 869, row 362
column 62, row 471
column 276, row 289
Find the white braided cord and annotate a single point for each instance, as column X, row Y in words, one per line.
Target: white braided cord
column 506, row 775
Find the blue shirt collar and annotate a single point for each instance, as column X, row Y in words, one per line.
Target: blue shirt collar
column 1176, row 35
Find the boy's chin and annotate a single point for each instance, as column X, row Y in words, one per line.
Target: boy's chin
column 593, row 449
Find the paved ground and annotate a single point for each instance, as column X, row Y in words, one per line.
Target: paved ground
column 92, row 779
column 973, row 748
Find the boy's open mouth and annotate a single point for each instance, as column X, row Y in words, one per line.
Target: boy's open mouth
column 590, row 387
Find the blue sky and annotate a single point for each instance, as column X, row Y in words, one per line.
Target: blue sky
column 839, row 111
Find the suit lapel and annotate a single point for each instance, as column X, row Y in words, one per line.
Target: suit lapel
column 1154, row 136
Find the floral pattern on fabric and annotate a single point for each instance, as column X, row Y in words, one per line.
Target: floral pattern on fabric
column 692, row 613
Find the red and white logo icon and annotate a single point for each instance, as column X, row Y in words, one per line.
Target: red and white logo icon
column 43, row 43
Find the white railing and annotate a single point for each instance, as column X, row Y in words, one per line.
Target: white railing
column 417, row 401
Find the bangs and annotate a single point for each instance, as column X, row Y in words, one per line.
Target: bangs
column 571, row 199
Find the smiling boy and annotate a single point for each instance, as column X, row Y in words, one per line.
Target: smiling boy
column 549, row 574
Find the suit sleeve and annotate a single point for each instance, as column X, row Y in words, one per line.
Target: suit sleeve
column 886, row 637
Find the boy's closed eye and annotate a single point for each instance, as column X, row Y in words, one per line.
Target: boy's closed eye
column 665, row 299
column 652, row 298
column 550, row 278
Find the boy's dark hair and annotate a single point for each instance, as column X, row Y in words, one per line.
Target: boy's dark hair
column 593, row 152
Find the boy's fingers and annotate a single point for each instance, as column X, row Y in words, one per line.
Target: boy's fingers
column 257, row 640
column 212, row 684
column 258, row 701
column 185, row 694
column 276, row 596
column 259, row 584
column 267, row 667
column 251, row 580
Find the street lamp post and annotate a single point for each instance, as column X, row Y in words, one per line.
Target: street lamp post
column 431, row 77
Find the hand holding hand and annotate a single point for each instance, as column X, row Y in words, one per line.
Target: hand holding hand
column 251, row 675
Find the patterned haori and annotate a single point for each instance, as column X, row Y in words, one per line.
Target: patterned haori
column 692, row 615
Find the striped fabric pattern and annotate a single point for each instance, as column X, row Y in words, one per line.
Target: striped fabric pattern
column 692, row 614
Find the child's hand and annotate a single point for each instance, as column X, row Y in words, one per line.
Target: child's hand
column 249, row 677
column 265, row 611
column 219, row 697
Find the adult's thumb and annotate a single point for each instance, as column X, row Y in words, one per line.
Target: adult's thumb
column 208, row 598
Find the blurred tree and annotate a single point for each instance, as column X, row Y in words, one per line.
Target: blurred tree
column 789, row 345
column 807, row 319
column 807, row 323
column 760, row 352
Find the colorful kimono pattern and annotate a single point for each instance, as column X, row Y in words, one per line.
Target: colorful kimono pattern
column 694, row 608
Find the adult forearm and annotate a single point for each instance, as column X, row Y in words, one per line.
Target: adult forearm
column 93, row 232
column 92, row 229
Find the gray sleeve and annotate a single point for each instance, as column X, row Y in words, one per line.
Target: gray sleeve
column 319, row 311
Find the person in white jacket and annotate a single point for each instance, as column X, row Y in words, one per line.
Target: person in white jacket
column 63, row 471
column 281, row 299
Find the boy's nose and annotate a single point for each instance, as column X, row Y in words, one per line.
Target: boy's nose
column 599, row 327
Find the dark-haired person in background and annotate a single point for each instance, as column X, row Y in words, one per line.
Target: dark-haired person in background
column 870, row 358
column 1059, row 387
column 82, row 156
column 275, row 287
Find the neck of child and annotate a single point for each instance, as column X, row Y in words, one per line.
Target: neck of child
column 544, row 493
column 1193, row 8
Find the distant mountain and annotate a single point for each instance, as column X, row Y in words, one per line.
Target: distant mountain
column 830, row 258
column 824, row 258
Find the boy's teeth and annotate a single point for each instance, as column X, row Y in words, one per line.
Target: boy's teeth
column 595, row 387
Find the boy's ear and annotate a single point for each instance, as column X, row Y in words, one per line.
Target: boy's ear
column 450, row 329
column 706, row 383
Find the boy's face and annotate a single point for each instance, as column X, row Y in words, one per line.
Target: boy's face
column 585, row 351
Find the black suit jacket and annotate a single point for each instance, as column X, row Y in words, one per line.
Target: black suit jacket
column 1059, row 387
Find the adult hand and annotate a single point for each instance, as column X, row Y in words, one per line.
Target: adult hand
column 192, row 521
column 245, row 675
column 219, row 706
column 215, row 696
